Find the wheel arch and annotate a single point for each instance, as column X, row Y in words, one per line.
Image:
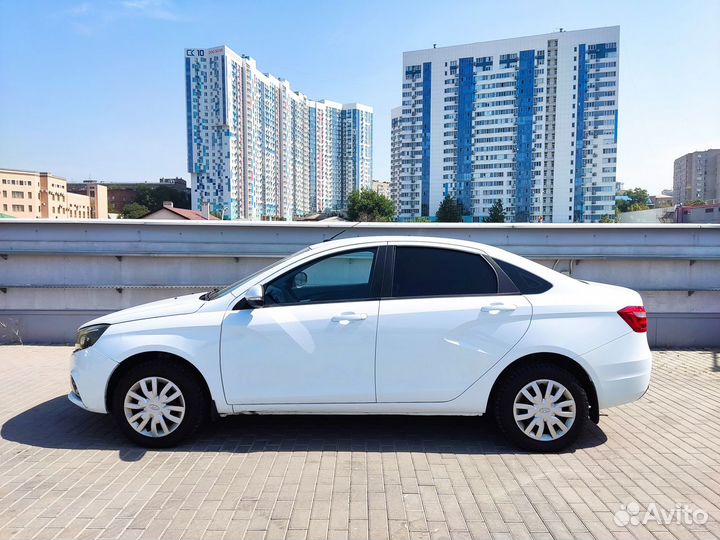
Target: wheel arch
column 559, row 360
column 139, row 358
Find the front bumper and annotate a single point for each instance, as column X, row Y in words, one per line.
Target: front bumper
column 75, row 400
column 90, row 371
column 622, row 369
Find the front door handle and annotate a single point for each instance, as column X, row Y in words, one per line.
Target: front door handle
column 345, row 318
column 494, row 309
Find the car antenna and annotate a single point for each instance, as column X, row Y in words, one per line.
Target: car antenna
column 334, row 236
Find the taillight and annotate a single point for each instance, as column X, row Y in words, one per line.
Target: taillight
column 635, row 316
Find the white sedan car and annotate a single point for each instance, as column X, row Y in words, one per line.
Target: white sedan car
column 375, row 325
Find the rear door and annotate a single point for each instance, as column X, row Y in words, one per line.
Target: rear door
column 446, row 319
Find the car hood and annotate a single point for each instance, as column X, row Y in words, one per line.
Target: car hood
column 180, row 305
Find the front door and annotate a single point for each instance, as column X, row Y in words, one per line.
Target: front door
column 314, row 339
column 444, row 325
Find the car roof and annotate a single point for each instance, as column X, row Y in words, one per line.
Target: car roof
column 396, row 239
column 494, row 252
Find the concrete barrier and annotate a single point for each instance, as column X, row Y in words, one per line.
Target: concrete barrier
column 55, row 275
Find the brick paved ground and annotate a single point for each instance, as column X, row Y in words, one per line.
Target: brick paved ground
column 65, row 473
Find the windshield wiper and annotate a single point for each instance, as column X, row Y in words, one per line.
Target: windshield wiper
column 209, row 295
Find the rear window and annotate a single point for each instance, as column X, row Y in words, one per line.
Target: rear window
column 526, row 282
column 421, row 271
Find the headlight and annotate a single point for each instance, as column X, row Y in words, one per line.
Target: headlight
column 86, row 337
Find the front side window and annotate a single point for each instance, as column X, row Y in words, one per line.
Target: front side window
column 212, row 295
column 421, row 271
column 346, row 276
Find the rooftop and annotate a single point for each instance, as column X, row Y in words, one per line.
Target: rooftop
column 192, row 215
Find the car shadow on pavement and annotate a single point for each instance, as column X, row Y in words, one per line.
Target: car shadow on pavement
column 59, row 424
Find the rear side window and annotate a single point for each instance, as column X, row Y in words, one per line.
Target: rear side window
column 526, row 282
column 423, row 271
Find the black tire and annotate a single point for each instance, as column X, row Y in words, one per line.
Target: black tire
column 194, row 399
column 504, row 404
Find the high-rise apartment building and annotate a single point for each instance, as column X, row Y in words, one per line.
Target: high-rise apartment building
column 259, row 150
column 531, row 121
column 697, row 176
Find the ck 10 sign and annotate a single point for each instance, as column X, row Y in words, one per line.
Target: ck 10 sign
column 202, row 52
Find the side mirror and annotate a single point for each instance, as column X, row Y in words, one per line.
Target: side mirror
column 255, row 296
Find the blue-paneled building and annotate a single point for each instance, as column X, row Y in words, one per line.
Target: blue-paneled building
column 259, row 150
column 530, row 121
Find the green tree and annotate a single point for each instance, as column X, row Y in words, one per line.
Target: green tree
column 449, row 211
column 607, row 218
column 421, row 219
column 638, row 200
column 134, row 211
column 497, row 213
column 695, row 202
column 153, row 197
column 368, row 205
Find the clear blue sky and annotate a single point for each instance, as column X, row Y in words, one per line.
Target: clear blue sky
column 97, row 88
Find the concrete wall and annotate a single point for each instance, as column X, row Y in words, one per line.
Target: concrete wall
column 56, row 275
column 707, row 213
column 654, row 215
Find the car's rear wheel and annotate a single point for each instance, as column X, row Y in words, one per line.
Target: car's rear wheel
column 541, row 407
column 158, row 404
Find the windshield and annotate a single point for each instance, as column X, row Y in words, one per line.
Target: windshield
column 217, row 293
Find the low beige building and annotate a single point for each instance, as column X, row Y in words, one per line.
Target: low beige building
column 381, row 187
column 31, row 195
column 97, row 193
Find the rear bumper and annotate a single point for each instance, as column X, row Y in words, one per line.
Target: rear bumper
column 622, row 369
column 90, row 371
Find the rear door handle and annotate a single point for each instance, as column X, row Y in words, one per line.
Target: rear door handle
column 494, row 309
column 345, row 318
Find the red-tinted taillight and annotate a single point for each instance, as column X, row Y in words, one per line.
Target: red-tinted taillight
column 635, row 316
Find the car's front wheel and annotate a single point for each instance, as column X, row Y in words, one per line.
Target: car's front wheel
column 157, row 404
column 541, row 408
